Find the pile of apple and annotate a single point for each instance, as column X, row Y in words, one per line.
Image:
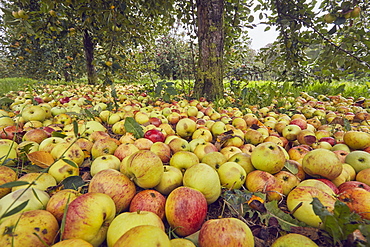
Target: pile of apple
column 154, row 167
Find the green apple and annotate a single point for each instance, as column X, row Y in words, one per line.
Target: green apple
column 115, row 184
column 32, row 228
column 315, row 183
column 127, row 220
column 234, row 233
column 33, row 113
column 107, row 161
column 293, row 239
column 145, row 168
column 244, row 160
column 185, row 127
column 37, row 180
column 303, row 196
column 204, row 178
column 144, row 235
column 268, row 157
column 49, row 143
column 214, row 159
column 315, row 165
column 171, row 179
column 183, row 160
column 88, row 217
column 232, row 175
column 202, row 149
column 359, row 160
column 218, row 128
column 37, row 199
column 6, row 121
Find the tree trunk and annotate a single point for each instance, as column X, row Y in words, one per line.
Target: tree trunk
column 92, row 77
column 211, row 35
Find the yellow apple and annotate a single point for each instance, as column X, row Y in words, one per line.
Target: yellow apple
column 303, row 196
column 88, row 217
column 32, row 229
column 232, row 175
column 204, row 178
column 293, row 239
column 58, row 202
column 127, row 220
column 61, row 170
column 37, row 180
column 7, row 175
column 77, row 242
column 144, row 235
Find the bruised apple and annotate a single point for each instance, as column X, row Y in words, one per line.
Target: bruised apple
column 265, row 182
column 32, row 229
column 299, row 202
column 358, row 200
column 225, row 232
column 322, row 162
column 185, row 220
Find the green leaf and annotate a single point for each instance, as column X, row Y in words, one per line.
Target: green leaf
column 286, row 221
column 58, row 134
column 73, row 182
column 291, row 168
column 15, row 210
column 133, row 127
column 75, row 128
column 70, row 162
column 14, row 184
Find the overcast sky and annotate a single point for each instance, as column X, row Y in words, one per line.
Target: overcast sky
column 260, row 38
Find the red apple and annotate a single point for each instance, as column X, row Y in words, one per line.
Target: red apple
column 154, row 135
column 358, row 200
column 185, row 210
column 264, row 182
column 353, row 184
column 148, row 200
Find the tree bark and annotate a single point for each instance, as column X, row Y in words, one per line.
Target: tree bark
column 211, row 35
column 92, row 76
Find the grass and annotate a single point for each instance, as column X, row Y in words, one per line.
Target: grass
column 15, row 84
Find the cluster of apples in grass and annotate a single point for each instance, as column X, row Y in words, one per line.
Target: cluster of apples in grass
column 188, row 152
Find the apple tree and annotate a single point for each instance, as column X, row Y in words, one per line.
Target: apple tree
column 104, row 29
column 321, row 40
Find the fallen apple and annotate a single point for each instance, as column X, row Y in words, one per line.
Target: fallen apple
column 225, row 232
column 293, row 239
column 185, row 220
column 148, row 200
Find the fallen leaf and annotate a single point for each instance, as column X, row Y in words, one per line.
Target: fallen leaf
column 42, row 159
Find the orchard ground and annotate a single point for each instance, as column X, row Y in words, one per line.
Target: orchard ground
column 271, row 136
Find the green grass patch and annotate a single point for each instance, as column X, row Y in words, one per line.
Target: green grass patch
column 15, row 84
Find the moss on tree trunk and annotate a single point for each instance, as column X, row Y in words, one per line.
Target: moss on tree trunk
column 89, row 56
column 211, row 35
